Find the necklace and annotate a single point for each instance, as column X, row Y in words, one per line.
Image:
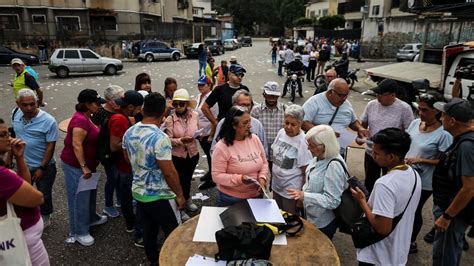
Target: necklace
column 398, row 167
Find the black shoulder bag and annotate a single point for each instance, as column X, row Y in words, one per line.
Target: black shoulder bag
column 364, row 235
column 333, row 116
column 349, row 209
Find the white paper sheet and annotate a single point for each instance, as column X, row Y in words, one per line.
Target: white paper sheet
column 266, row 211
column 88, row 184
column 198, row 260
column 346, row 137
column 209, row 223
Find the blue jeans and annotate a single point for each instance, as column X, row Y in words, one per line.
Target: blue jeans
column 45, row 185
column 82, row 209
column 224, row 200
column 132, row 220
column 43, row 55
column 447, row 246
column 202, row 68
column 280, row 68
column 330, row 229
column 111, row 184
column 274, row 58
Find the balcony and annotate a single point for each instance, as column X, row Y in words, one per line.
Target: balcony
column 350, row 6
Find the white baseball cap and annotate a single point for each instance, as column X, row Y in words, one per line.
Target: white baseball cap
column 272, row 88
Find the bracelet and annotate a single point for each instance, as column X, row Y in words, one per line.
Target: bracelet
column 447, row 216
column 83, row 165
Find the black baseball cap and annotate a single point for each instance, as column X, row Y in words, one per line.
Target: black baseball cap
column 90, row 96
column 386, row 85
column 459, row 109
column 130, row 97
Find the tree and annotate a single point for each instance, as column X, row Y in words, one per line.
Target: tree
column 332, row 22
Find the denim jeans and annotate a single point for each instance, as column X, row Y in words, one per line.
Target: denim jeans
column 45, row 185
column 202, row 68
column 330, row 229
column 82, row 209
column 224, row 200
column 280, row 68
column 274, row 58
column 43, row 55
column 111, row 185
column 132, row 220
column 447, row 246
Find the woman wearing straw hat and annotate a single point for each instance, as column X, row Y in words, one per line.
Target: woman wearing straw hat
column 181, row 127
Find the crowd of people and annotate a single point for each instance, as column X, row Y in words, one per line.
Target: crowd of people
column 147, row 143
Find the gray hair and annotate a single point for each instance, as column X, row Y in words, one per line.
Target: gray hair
column 295, row 111
column 113, row 92
column 334, row 82
column 324, row 134
column 238, row 93
column 26, row 93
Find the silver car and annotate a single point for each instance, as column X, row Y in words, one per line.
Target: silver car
column 408, row 51
column 80, row 60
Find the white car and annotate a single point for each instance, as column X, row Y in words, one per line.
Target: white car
column 229, row 44
column 80, row 60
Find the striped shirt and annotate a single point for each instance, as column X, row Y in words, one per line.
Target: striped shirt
column 272, row 120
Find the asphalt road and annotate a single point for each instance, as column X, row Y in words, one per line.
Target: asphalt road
column 115, row 246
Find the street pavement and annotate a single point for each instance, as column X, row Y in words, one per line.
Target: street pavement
column 115, row 246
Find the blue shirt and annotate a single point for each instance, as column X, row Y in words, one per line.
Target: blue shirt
column 37, row 132
column 146, row 144
column 257, row 129
column 427, row 146
column 318, row 110
column 323, row 190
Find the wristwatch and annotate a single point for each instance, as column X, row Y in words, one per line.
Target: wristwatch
column 447, row 216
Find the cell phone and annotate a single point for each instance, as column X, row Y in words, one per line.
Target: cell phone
column 12, row 132
column 355, row 183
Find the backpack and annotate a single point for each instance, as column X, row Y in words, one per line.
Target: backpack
column 32, row 72
column 245, row 241
column 104, row 153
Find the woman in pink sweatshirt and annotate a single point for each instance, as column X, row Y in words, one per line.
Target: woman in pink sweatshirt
column 239, row 164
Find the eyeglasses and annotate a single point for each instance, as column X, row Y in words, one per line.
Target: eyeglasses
column 4, row 135
column 180, row 104
column 340, row 95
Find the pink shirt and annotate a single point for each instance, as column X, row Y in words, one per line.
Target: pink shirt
column 229, row 163
column 178, row 127
column 89, row 145
column 10, row 182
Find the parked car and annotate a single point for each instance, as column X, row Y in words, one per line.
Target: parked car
column 80, row 60
column 192, row 51
column 151, row 50
column 408, row 51
column 7, row 54
column 247, row 41
column 230, row 44
column 239, row 44
column 215, row 46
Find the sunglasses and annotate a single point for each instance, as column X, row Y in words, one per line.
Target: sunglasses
column 180, row 104
column 341, row 95
column 239, row 74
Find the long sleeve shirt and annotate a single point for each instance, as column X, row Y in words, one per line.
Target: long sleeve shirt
column 178, row 127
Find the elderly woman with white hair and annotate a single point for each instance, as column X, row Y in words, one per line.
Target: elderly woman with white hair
column 326, row 179
column 109, row 108
column 290, row 158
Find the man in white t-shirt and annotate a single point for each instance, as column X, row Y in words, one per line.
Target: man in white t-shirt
column 384, row 112
column 392, row 193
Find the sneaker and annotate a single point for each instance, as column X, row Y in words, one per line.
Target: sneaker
column 85, row 240
column 139, row 243
column 46, row 220
column 184, row 216
column 206, row 185
column 190, row 206
column 118, row 205
column 102, row 220
column 413, row 248
column 111, row 212
column 70, row 239
column 429, row 238
column 130, row 230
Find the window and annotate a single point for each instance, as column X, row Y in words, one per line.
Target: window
column 60, row 55
column 38, row 19
column 325, row 12
column 148, row 24
column 88, row 54
column 65, row 23
column 104, row 23
column 312, row 14
column 9, row 22
column 71, row 54
column 465, row 62
column 375, row 10
column 161, row 45
column 408, row 47
column 418, row 46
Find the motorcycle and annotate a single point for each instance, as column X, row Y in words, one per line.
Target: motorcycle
column 350, row 77
column 294, row 82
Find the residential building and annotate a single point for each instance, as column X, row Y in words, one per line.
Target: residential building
column 352, row 10
column 206, row 6
column 321, row 8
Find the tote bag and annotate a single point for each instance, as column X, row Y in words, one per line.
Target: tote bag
column 13, row 248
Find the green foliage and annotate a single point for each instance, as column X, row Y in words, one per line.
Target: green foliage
column 278, row 14
column 332, row 22
column 303, row 21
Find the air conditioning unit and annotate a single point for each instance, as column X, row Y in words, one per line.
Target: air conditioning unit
column 417, row 4
column 364, row 9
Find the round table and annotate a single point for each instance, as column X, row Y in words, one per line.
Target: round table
column 63, row 125
column 310, row 246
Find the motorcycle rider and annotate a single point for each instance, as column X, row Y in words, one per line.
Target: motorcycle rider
column 330, row 75
column 342, row 66
column 295, row 67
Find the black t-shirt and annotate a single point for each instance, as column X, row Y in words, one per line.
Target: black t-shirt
column 30, row 81
column 99, row 117
column 222, row 95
